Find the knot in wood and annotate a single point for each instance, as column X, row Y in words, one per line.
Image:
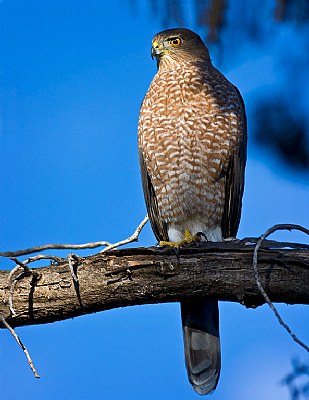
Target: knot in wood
column 167, row 269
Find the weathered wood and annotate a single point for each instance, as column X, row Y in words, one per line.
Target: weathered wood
column 150, row 275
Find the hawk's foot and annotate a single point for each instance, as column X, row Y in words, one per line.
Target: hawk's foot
column 188, row 238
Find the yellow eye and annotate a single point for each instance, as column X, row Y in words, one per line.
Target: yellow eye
column 175, row 42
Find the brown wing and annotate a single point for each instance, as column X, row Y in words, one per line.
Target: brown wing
column 158, row 225
column 234, row 183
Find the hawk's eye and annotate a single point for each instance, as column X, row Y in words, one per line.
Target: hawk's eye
column 175, row 42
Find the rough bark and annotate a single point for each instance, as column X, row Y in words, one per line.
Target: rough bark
column 134, row 276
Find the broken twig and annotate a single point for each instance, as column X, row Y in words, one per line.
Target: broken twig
column 23, row 347
column 90, row 245
column 259, row 284
column 130, row 239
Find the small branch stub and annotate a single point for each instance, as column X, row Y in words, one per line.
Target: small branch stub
column 21, row 345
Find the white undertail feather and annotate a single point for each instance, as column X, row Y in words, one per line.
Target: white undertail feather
column 176, row 233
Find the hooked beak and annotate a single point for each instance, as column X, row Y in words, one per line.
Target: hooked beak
column 156, row 49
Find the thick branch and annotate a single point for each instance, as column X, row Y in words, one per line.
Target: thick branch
column 150, row 275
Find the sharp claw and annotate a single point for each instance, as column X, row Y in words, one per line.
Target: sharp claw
column 200, row 234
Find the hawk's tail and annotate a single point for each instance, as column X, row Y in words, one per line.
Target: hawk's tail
column 200, row 325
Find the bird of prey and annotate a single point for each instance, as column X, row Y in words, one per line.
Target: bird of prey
column 192, row 141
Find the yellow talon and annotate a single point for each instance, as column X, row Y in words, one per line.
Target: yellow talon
column 188, row 238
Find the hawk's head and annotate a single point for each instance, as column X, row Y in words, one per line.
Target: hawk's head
column 179, row 44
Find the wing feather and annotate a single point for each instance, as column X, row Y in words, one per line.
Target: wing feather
column 234, row 182
column 159, row 227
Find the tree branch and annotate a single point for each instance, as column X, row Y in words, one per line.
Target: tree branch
column 127, row 277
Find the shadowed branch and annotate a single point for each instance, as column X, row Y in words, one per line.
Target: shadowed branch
column 128, row 277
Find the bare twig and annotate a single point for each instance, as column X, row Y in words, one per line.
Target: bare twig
column 72, row 260
column 16, row 337
column 12, row 287
column 15, row 269
column 258, row 282
column 43, row 257
column 37, row 249
column 71, row 257
column 12, row 282
column 132, row 238
column 91, row 245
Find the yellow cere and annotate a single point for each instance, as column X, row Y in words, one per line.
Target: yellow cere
column 155, row 44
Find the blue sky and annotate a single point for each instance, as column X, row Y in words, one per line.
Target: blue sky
column 73, row 75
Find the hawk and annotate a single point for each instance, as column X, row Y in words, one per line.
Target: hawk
column 192, row 141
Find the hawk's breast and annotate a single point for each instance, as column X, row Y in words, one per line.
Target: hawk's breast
column 189, row 126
